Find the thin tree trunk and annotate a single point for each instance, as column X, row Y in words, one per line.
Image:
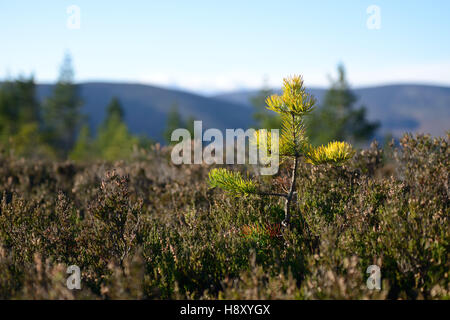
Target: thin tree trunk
column 289, row 198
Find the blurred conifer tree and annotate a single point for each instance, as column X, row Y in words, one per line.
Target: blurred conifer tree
column 62, row 111
column 114, row 141
column 175, row 121
column 337, row 118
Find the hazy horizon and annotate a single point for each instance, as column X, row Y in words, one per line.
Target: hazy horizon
column 210, row 48
column 241, row 89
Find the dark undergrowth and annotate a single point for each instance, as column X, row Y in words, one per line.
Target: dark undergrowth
column 147, row 229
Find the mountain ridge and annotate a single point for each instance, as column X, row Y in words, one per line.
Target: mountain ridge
column 146, row 107
column 399, row 107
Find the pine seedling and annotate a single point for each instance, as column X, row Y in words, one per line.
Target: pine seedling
column 293, row 105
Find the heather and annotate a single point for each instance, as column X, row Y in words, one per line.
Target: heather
column 144, row 228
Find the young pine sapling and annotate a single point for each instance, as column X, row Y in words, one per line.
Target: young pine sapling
column 292, row 106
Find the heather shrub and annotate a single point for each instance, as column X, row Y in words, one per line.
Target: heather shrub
column 147, row 229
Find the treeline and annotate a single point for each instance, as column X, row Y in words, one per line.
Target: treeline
column 56, row 128
column 338, row 117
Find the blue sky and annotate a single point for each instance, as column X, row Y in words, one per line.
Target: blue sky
column 213, row 46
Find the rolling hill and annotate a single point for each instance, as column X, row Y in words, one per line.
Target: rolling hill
column 400, row 108
column 146, row 107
